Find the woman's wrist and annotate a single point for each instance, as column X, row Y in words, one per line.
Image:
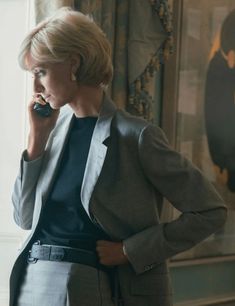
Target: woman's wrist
column 32, row 154
column 36, row 146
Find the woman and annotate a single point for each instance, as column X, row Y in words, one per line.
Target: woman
column 92, row 180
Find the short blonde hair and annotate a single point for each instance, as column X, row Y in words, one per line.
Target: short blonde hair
column 66, row 33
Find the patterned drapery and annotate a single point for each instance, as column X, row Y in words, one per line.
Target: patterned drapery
column 140, row 33
column 150, row 43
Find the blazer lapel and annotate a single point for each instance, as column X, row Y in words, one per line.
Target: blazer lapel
column 55, row 150
column 53, row 153
column 97, row 152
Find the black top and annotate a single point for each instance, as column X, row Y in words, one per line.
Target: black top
column 64, row 220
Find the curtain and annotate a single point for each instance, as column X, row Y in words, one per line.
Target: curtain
column 140, row 33
column 44, row 8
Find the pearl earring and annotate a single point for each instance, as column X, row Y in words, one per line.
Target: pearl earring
column 73, row 77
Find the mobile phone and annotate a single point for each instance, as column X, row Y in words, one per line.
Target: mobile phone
column 43, row 110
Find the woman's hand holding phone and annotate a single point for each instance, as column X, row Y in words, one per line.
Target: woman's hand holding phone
column 41, row 125
column 43, row 110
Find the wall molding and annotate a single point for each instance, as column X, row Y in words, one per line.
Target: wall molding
column 208, row 301
column 201, row 261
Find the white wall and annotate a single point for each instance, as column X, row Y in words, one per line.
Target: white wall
column 14, row 24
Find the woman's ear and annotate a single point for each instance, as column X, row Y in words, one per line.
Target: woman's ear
column 231, row 59
column 75, row 63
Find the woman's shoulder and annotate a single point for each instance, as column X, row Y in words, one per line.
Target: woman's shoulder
column 128, row 123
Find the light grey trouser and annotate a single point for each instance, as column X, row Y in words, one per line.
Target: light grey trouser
column 50, row 283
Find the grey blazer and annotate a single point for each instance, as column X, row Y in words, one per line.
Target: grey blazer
column 130, row 168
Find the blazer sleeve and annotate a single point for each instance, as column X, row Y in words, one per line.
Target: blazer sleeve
column 23, row 197
column 202, row 209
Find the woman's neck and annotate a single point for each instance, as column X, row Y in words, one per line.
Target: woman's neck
column 87, row 102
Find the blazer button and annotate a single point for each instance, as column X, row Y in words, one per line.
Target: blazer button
column 146, row 268
column 149, row 267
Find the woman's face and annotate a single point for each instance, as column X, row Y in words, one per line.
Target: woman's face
column 53, row 82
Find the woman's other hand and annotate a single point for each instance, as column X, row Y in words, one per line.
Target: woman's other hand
column 111, row 253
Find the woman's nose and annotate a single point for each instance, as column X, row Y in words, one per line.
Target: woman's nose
column 37, row 86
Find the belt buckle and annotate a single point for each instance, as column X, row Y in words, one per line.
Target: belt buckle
column 31, row 260
column 57, row 254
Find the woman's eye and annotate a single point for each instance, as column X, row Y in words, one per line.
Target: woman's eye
column 40, row 73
